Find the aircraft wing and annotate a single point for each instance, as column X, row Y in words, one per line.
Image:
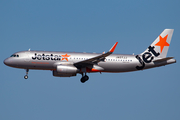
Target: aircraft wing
column 96, row 59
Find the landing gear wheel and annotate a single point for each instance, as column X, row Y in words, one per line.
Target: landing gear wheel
column 25, row 77
column 84, row 79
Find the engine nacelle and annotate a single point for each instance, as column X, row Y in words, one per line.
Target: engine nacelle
column 65, row 71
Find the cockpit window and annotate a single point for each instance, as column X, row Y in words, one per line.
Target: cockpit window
column 14, row 55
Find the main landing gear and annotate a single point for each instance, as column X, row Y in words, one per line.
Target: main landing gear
column 84, row 78
column 26, row 76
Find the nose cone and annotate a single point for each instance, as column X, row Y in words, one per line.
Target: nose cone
column 7, row 61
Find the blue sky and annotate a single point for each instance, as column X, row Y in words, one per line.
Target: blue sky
column 88, row 26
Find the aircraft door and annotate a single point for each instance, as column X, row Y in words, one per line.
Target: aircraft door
column 27, row 57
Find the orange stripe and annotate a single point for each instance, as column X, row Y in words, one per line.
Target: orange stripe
column 92, row 70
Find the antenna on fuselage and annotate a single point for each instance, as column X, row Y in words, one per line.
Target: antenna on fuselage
column 29, row 49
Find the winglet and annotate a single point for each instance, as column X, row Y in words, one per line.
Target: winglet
column 113, row 48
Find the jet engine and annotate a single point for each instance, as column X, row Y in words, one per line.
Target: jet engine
column 65, row 71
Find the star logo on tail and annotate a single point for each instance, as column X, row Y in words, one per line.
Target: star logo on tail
column 162, row 42
column 65, row 57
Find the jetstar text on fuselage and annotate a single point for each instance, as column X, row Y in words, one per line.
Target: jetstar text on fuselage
column 46, row 57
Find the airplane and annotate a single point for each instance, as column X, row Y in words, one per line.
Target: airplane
column 67, row 64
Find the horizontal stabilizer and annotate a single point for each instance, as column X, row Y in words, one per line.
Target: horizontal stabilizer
column 163, row 59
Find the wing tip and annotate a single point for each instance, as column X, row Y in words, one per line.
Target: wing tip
column 113, row 48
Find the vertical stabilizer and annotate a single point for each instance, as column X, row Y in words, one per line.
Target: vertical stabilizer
column 160, row 46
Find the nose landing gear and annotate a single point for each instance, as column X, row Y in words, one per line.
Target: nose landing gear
column 26, row 76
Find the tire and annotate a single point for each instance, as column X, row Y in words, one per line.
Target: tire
column 86, row 77
column 83, row 80
column 25, row 77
